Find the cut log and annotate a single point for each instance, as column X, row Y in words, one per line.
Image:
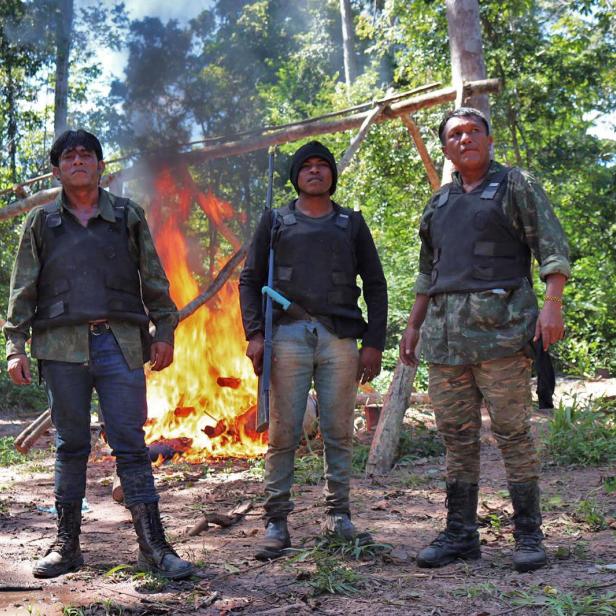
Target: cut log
column 221, row 519
column 29, row 436
column 387, row 435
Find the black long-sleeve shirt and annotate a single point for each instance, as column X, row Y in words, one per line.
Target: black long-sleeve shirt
column 368, row 264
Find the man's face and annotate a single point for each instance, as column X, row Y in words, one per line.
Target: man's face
column 79, row 168
column 315, row 177
column 467, row 144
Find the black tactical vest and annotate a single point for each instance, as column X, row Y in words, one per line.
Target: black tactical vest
column 475, row 247
column 87, row 273
column 315, row 263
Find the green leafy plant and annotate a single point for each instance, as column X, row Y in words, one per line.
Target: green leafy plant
column 589, row 512
column 419, row 441
column 609, row 485
column 309, row 469
column 582, row 434
column 8, row 454
column 144, row 580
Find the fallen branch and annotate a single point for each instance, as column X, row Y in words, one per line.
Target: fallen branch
column 217, row 283
column 29, row 436
column 221, row 519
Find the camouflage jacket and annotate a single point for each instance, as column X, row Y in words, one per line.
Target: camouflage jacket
column 70, row 343
column 467, row 328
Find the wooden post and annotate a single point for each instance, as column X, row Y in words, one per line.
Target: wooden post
column 361, row 135
column 413, row 129
column 387, row 435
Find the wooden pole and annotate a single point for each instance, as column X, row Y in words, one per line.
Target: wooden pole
column 279, row 136
column 387, row 435
column 361, row 135
column 413, row 129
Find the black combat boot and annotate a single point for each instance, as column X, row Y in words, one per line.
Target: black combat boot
column 340, row 525
column 460, row 539
column 529, row 553
column 64, row 555
column 275, row 541
column 155, row 554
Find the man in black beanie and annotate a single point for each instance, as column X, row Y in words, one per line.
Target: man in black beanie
column 320, row 248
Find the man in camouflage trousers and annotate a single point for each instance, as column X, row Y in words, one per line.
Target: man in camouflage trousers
column 85, row 273
column 478, row 315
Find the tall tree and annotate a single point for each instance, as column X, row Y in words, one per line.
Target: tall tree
column 348, row 42
column 466, row 48
column 64, row 26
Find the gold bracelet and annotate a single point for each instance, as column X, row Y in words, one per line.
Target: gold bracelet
column 553, row 298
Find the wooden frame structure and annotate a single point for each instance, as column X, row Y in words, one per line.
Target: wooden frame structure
column 401, row 106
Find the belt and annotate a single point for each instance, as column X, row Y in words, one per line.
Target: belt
column 96, row 329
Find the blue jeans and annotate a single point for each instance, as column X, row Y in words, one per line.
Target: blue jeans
column 304, row 351
column 122, row 396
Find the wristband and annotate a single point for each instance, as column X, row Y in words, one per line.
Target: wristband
column 553, row 298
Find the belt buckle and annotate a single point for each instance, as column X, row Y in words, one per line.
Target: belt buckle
column 95, row 328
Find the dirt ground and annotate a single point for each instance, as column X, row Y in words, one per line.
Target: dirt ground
column 404, row 510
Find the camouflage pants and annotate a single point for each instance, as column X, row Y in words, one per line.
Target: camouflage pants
column 456, row 393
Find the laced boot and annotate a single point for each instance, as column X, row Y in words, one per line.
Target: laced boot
column 460, row 539
column 275, row 541
column 155, row 554
column 529, row 553
column 64, row 555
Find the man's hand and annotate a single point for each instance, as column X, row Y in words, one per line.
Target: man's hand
column 161, row 355
column 19, row 370
column 550, row 326
column 254, row 352
column 408, row 344
column 369, row 364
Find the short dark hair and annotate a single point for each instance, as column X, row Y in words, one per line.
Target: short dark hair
column 462, row 112
column 70, row 139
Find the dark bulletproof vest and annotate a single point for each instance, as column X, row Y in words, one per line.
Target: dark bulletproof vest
column 315, row 264
column 87, row 273
column 475, row 247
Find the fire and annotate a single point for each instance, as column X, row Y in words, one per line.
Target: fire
column 208, row 394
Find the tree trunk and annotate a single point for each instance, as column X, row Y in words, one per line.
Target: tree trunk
column 348, row 42
column 64, row 26
column 467, row 63
column 11, row 122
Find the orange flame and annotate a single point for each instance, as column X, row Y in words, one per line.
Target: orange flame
column 208, row 394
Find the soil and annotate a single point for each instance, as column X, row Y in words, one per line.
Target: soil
column 404, row 509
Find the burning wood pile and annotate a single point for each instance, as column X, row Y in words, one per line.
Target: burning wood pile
column 208, row 394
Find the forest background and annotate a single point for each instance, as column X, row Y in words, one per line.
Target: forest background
column 242, row 64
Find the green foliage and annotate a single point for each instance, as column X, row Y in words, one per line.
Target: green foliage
column 8, row 454
column 418, row 442
column 552, row 602
column 309, row 469
column 582, row 434
column 589, row 512
column 22, row 399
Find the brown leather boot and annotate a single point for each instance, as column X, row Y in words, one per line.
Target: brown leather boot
column 155, row 554
column 64, row 554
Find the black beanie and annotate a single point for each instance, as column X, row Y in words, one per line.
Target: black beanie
column 308, row 150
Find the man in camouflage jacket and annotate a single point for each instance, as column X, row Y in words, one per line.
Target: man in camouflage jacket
column 478, row 314
column 87, row 281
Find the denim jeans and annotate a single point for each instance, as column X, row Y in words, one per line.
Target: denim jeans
column 303, row 352
column 122, row 396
